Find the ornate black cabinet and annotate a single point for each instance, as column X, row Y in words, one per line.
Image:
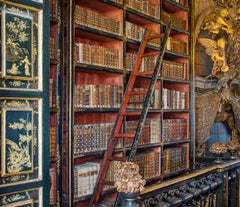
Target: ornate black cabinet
column 24, row 104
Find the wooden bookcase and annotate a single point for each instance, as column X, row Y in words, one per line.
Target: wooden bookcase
column 55, row 101
column 102, row 38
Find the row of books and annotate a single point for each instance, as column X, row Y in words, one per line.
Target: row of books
column 94, row 136
column 97, row 96
column 52, row 141
column 135, row 32
column 53, row 9
column 145, row 7
column 110, row 96
column 174, row 159
column 108, row 57
column 98, row 55
column 149, row 164
column 177, row 46
column 147, row 63
column 52, row 93
column 52, row 48
column 174, row 70
column 136, row 101
column 173, row 99
column 85, row 176
column 174, row 130
column 176, row 21
column 170, row 69
column 52, row 174
column 151, row 133
column 93, row 19
column 91, row 137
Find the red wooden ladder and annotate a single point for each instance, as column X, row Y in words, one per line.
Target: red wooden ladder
column 117, row 132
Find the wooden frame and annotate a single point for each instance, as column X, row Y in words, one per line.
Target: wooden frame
column 17, row 46
column 17, row 141
column 27, row 203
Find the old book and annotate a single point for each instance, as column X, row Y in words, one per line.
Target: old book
column 52, row 173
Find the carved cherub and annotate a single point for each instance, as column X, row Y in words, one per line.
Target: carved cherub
column 216, row 50
column 216, row 22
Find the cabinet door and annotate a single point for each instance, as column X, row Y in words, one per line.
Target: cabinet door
column 24, row 104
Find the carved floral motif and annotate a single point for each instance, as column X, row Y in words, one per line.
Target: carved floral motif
column 128, row 178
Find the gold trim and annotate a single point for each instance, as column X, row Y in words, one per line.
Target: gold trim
column 18, row 204
column 17, row 148
column 22, row 182
column 28, row 73
column 22, row 98
column 36, row 17
column 39, row 198
column 20, row 5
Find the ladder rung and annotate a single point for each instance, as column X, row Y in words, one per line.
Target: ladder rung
column 150, row 54
column 126, row 110
column 105, row 182
column 132, row 113
column 123, row 159
column 137, row 92
column 154, row 36
column 124, row 135
column 149, row 72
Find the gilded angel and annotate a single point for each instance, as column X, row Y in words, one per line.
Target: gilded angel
column 216, row 50
column 216, row 22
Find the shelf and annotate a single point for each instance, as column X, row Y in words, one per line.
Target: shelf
column 82, row 66
column 92, row 34
column 177, row 30
column 101, row 6
column 176, row 142
column 140, row 15
column 85, row 31
column 173, row 6
column 118, row 3
column 177, row 55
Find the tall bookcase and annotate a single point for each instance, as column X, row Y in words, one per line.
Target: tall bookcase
column 102, row 37
column 55, row 101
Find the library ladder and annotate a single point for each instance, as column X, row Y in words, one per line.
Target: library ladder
column 117, row 133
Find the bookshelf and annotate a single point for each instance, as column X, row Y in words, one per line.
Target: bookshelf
column 103, row 39
column 176, row 94
column 55, row 102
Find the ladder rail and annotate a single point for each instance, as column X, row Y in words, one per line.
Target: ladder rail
column 118, row 123
column 149, row 95
column 122, row 113
column 147, row 101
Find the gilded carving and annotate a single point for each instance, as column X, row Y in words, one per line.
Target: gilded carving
column 19, row 140
column 28, row 198
column 216, row 50
column 214, row 23
column 19, row 152
column 19, row 42
column 217, row 30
